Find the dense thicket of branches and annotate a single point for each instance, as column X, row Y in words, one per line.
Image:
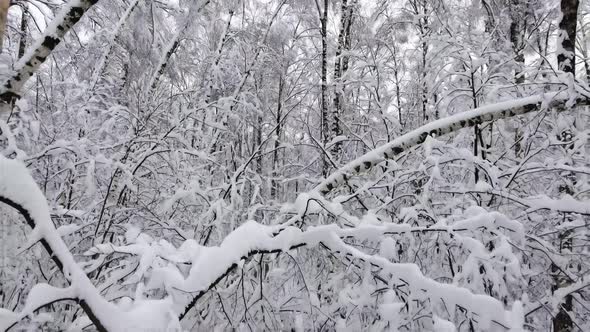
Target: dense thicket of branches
column 399, row 165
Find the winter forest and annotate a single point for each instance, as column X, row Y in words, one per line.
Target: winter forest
column 294, row 165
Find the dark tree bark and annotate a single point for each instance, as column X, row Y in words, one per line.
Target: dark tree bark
column 562, row 322
column 517, row 30
column 32, row 223
column 340, row 67
column 22, row 43
column 274, row 193
column 325, row 122
column 567, row 26
column 420, row 10
column 10, row 89
column 161, row 67
column 438, row 128
column 517, row 36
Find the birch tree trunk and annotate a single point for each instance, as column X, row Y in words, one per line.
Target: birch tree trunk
column 340, row 67
column 562, row 322
column 10, row 90
column 325, row 122
column 567, row 26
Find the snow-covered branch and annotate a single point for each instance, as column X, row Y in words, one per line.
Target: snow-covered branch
column 195, row 8
column 68, row 16
column 111, row 41
column 563, row 205
column 41, row 295
column 175, row 178
column 210, row 265
column 445, row 126
column 552, row 301
column 19, row 190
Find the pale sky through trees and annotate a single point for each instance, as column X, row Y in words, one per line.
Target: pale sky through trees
column 294, row 165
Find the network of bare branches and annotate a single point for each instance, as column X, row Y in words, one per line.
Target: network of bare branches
column 314, row 165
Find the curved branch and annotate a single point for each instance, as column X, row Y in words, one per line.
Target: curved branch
column 45, row 305
column 41, row 295
column 25, row 213
column 252, row 238
column 445, row 126
column 212, row 285
column 10, row 89
column 19, row 190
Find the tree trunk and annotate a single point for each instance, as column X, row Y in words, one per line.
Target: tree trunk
column 478, row 139
column 340, row 67
column 584, row 47
column 567, row 26
column 195, row 9
column 22, row 43
column 334, row 118
column 274, row 190
column 566, row 59
column 420, row 10
column 324, row 89
column 517, row 31
column 10, row 89
column 397, row 81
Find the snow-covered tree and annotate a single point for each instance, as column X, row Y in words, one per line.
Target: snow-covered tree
column 401, row 165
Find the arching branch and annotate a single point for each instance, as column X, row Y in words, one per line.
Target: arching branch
column 83, row 304
column 445, row 126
